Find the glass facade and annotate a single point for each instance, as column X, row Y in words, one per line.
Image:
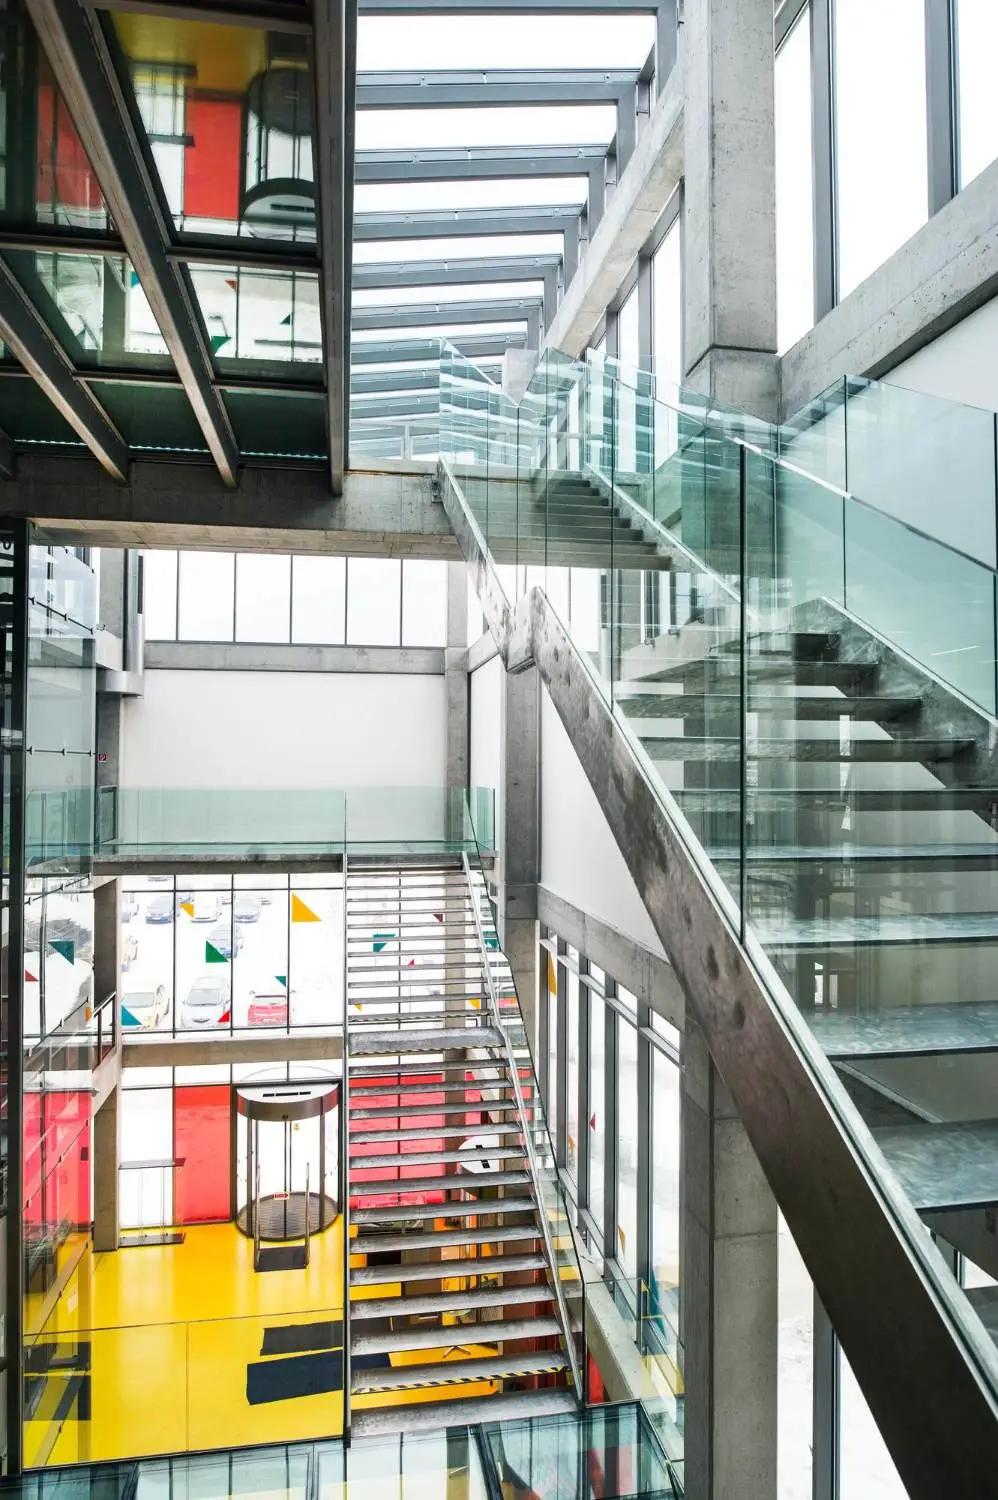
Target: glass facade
column 794, row 185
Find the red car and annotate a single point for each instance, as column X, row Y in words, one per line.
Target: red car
column 268, row 1010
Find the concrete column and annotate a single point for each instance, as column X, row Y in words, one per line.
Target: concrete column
column 729, row 208
column 106, row 1122
column 519, row 834
column 729, row 1313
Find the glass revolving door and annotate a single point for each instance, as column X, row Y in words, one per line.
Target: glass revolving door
column 286, row 1158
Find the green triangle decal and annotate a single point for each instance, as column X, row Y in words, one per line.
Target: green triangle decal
column 381, row 941
column 212, row 955
column 217, row 340
column 282, row 979
column 286, row 322
column 64, row 946
column 127, row 1019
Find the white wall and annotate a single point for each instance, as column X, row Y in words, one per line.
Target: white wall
column 284, row 729
column 580, row 860
column 960, row 364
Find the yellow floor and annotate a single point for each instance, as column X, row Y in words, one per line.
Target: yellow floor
column 171, row 1331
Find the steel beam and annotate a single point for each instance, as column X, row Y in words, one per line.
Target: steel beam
column 507, row 7
column 504, row 86
column 444, row 164
column 6, row 455
column 80, row 58
column 24, row 332
column 472, row 345
column 459, row 223
column 204, row 249
column 380, row 382
column 383, row 408
column 478, row 272
column 445, row 314
column 330, row 68
column 269, row 15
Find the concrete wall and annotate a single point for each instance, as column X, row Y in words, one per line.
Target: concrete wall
column 580, row 860
column 486, row 745
column 960, row 364
column 280, row 729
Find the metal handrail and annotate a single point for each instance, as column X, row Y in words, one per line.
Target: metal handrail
column 345, row 1167
column 527, row 1140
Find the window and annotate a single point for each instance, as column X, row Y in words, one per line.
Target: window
column 663, row 1290
column 866, row 1466
column 206, row 595
column 319, row 601
column 159, row 595
column 626, row 1248
column 977, row 100
column 374, row 601
column 795, row 1377
column 667, row 339
column 881, row 163
column 629, row 356
column 572, row 1075
column 794, row 186
column 263, row 597
column 596, row 1124
column 424, row 603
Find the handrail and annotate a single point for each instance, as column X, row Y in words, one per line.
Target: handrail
column 345, row 1168
column 528, row 1142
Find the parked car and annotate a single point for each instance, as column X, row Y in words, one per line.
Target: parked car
column 207, row 906
column 160, row 909
column 246, row 909
column 207, row 1001
column 129, row 950
column 226, row 939
column 145, row 1008
column 267, row 1010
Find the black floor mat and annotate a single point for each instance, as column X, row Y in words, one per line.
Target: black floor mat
column 287, row 1379
column 281, row 1258
column 300, row 1337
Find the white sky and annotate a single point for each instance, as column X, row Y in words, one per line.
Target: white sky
column 516, row 192
column 508, row 125
column 385, row 43
column 480, row 292
column 480, row 248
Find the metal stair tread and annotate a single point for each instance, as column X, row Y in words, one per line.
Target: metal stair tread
column 836, row 932
column 727, row 749
column 430, row 1133
column 428, row 1303
column 389, row 1043
column 429, row 1416
column 374, row 1244
column 888, row 799
column 495, row 1331
column 433, row 1158
column 383, row 1187
column 799, row 706
column 441, row 1270
column 944, row 1166
column 457, row 1371
column 414, row 1111
column 907, row 1030
column 408, row 1211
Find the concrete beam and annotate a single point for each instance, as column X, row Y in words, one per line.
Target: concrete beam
column 190, row 1051
column 946, row 270
column 647, row 183
column 197, row 656
column 640, row 970
column 390, row 512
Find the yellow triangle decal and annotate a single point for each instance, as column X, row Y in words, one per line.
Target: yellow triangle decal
column 300, row 912
column 552, row 977
column 188, row 907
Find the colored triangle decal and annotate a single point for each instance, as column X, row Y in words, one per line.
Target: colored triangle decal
column 439, row 915
column 286, row 322
column 300, row 912
column 592, row 1121
column 127, row 1019
column 381, row 941
column 65, row 947
column 475, row 1004
column 217, row 341
column 224, row 1020
column 188, row 907
column 31, row 978
column 212, row 955
column 282, row 979
column 552, row 977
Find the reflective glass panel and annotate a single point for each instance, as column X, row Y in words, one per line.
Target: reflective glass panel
column 977, row 101
column 794, row 186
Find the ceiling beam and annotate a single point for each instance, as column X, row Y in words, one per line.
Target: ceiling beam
column 80, row 58
column 397, row 351
column 381, row 382
column 446, row 314
column 445, row 164
column 377, row 408
column 332, row 64
column 270, row 15
column 468, row 89
column 206, row 249
column 506, row 7
column 459, row 223
column 34, row 344
column 479, row 272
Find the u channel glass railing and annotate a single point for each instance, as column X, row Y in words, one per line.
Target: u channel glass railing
column 809, row 684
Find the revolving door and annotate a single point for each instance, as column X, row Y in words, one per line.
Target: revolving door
column 286, row 1158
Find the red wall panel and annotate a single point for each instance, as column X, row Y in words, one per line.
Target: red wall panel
column 202, row 1140
column 212, row 164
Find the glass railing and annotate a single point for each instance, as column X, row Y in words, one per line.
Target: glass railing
column 608, row 1453
column 809, row 684
column 553, row 1208
column 182, row 822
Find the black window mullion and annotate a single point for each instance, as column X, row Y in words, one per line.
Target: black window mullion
column 610, row 1023
column 585, row 1107
column 823, row 159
